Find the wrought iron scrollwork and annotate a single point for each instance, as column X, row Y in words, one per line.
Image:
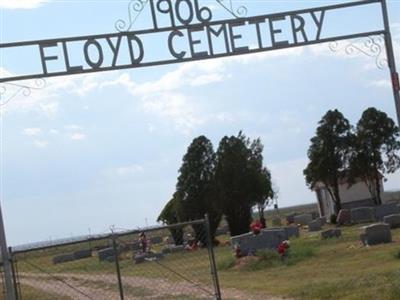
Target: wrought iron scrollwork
column 372, row 46
column 10, row 90
column 135, row 8
column 237, row 12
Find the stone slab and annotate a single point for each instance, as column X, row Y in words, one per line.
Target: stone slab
column 303, row 219
column 362, row 215
column 385, row 210
column 81, row 254
column 331, row 233
column 315, row 225
column 104, row 254
column 392, row 220
column 344, row 217
column 377, row 233
column 290, row 218
column 292, row 231
column 266, row 239
column 63, row 258
column 222, row 230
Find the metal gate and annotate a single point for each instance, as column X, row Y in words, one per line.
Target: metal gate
column 168, row 262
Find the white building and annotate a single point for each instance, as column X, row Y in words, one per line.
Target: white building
column 356, row 195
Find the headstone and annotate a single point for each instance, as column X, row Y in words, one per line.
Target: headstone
column 81, row 254
column 173, row 249
column 139, row 258
column 266, row 239
column 156, row 240
column 392, row 220
column 376, row 234
column 344, row 217
column 276, row 221
column 385, row 210
column 362, row 214
column 290, row 218
column 222, row 230
column 315, row 225
column 330, row 233
column 292, row 231
column 303, row 219
column 142, row 257
column 135, row 246
column 314, row 215
column 104, row 254
column 63, row 258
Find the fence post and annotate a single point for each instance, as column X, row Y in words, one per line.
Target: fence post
column 211, row 256
column 116, row 254
column 14, row 275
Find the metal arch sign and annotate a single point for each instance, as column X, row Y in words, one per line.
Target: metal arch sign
column 181, row 38
column 186, row 19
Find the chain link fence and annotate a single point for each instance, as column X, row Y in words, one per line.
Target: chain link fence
column 169, row 262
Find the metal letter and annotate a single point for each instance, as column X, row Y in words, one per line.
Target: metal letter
column 217, row 33
column 43, row 57
column 298, row 28
column 134, row 60
column 234, row 37
column 66, row 59
column 114, row 49
column 257, row 22
column 97, row 64
column 318, row 22
column 175, row 54
column 193, row 42
column 273, row 31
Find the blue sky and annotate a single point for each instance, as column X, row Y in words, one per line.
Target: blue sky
column 90, row 151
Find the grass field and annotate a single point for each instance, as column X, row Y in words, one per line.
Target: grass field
column 332, row 269
column 316, row 269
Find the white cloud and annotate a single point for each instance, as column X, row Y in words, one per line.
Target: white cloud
column 25, row 4
column 78, row 136
column 129, row 170
column 54, row 131
column 40, row 143
column 33, row 131
column 72, row 127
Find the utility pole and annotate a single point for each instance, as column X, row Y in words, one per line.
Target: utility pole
column 391, row 61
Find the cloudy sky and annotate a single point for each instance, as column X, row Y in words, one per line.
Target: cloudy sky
column 90, row 151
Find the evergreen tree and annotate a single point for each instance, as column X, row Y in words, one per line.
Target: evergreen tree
column 172, row 214
column 195, row 186
column 329, row 154
column 241, row 180
column 376, row 150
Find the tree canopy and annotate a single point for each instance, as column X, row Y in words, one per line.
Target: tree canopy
column 241, row 180
column 376, row 150
column 228, row 182
column 329, row 154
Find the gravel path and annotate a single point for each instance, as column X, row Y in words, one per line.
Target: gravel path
column 105, row 287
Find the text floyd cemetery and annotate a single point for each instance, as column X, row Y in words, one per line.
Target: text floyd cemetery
column 186, row 31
